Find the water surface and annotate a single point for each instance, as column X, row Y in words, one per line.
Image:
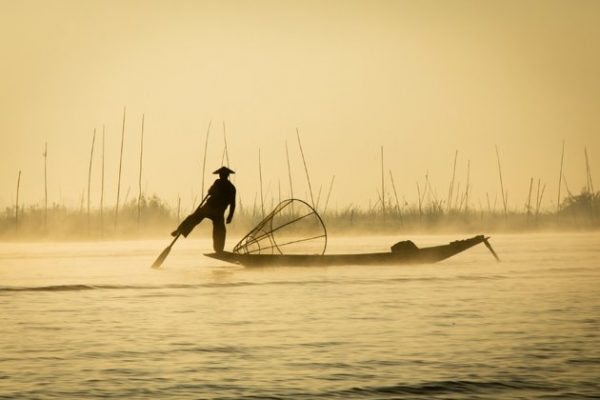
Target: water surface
column 92, row 320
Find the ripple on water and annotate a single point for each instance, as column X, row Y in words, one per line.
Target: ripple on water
column 469, row 328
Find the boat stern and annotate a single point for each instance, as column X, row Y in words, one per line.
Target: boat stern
column 224, row 256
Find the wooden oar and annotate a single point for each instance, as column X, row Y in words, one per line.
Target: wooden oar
column 164, row 253
column 489, row 246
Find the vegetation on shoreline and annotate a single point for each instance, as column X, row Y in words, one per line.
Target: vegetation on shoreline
column 150, row 217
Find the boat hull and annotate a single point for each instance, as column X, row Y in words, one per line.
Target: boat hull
column 415, row 255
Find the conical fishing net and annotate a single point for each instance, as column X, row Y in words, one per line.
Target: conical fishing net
column 293, row 227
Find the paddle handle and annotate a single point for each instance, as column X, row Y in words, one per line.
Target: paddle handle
column 174, row 240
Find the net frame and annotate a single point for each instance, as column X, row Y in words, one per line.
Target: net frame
column 264, row 231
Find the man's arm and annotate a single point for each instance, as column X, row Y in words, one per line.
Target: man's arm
column 231, row 207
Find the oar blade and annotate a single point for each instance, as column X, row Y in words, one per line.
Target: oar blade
column 165, row 253
column 161, row 257
column 489, row 246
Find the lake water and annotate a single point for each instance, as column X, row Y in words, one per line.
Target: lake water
column 92, row 320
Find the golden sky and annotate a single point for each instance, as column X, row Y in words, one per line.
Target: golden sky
column 420, row 78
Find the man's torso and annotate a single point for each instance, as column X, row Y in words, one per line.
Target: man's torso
column 222, row 194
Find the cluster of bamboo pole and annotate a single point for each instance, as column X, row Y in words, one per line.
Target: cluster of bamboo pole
column 89, row 183
column 457, row 201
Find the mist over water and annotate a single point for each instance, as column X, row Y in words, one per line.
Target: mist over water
column 91, row 320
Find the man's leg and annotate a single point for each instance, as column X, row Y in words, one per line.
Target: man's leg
column 190, row 223
column 218, row 233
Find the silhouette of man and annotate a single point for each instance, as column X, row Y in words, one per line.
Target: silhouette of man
column 220, row 195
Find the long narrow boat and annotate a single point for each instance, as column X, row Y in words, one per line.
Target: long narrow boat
column 406, row 253
column 293, row 229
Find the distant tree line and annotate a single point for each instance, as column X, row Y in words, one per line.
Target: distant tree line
column 147, row 217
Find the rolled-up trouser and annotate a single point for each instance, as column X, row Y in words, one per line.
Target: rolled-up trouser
column 219, row 231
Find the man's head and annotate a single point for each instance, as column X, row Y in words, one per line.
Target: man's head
column 223, row 172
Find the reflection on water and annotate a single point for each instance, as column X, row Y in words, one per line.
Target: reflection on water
column 93, row 320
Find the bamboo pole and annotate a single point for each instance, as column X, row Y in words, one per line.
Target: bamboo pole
column 287, row 155
column 562, row 157
column 420, row 202
column 46, row 185
column 590, row 188
column 319, row 197
column 139, row 202
column 529, row 199
column 120, row 169
column 382, row 187
column 451, row 189
column 542, row 194
column 102, row 188
column 537, row 200
column 590, row 183
column 312, row 200
column 468, row 186
column 462, row 200
column 205, row 152
column 89, row 188
column 396, row 197
column 501, row 182
column 539, row 204
column 456, row 202
column 374, row 209
column 329, row 193
column 127, row 194
column 569, row 193
column 225, row 157
column 262, row 200
column 17, row 203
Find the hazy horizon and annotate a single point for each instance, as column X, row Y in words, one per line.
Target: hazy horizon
column 421, row 79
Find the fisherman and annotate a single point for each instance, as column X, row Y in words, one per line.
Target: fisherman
column 220, row 195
